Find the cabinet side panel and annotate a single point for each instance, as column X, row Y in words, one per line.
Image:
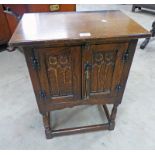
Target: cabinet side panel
column 34, row 77
column 119, row 65
column 127, row 66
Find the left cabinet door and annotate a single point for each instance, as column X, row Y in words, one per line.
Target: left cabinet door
column 60, row 73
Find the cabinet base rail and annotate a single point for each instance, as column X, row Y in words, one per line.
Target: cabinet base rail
column 82, row 129
column 50, row 133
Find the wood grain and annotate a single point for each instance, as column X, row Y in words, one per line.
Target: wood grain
column 68, row 26
column 60, row 73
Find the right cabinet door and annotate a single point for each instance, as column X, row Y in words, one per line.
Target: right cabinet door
column 102, row 67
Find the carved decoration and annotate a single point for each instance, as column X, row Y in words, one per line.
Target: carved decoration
column 99, row 58
column 102, row 70
column 60, row 73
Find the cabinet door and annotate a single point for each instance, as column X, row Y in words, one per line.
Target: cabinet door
column 60, row 73
column 102, row 69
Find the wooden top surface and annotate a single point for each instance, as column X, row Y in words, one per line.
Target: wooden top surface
column 47, row 27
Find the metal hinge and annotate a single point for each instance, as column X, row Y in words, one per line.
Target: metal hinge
column 42, row 94
column 87, row 46
column 118, row 88
column 35, row 62
column 125, row 57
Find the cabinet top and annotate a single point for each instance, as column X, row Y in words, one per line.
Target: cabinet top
column 48, row 28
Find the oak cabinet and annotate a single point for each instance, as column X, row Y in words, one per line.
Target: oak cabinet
column 68, row 74
column 78, row 58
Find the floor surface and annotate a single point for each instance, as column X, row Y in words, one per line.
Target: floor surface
column 21, row 124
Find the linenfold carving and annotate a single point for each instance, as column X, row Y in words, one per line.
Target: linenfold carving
column 60, row 73
column 102, row 70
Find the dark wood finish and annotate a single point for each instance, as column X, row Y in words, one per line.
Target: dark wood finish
column 83, row 129
column 4, row 30
column 106, row 112
column 68, row 69
column 46, row 121
column 106, row 69
column 60, row 73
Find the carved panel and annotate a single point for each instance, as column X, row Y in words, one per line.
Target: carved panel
column 59, row 67
column 102, row 70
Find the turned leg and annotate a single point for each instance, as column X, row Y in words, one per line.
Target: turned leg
column 112, row 117
column 146, row 41
column 46, row 121
column 106, row 112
